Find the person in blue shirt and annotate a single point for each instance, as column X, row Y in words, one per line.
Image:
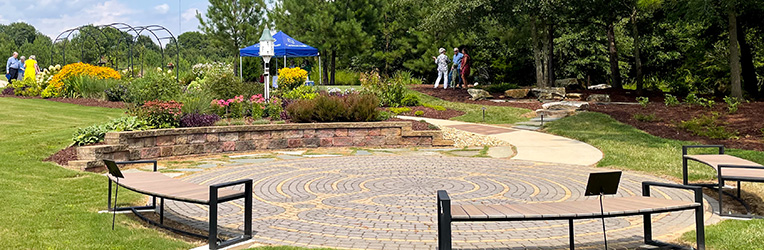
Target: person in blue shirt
column 22, row 67
column 456, row 67
column 12, row 67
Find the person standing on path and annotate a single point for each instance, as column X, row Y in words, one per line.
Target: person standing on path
column 22, row 68
column 456, row 68
column 12, row 67
column 32, row 69
column 466, row 61
column 442, row 62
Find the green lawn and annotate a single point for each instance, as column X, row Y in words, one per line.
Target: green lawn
column 628, row 148
column 49, row 207
column 474, row 112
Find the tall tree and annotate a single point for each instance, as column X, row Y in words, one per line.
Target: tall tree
column 233, row 24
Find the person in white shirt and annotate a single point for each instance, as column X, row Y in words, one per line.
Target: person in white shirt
column 442, row 62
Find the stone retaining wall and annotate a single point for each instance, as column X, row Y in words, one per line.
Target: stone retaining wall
column 164, row 143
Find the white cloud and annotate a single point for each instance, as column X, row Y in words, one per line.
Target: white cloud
column 189, row 14
column 162, row 9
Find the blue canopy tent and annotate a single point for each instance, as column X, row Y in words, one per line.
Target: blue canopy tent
column 284, row 46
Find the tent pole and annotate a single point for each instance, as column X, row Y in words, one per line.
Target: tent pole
column 320, row 72
column 241, row 74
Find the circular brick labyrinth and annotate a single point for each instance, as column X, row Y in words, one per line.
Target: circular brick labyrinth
column 388, row 202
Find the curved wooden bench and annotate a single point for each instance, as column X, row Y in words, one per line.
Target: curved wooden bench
column 727, row 167
column 163, row 187
column 572, row 210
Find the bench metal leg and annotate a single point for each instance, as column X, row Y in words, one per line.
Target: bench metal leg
column 213, row 231
column 685, row 175
column 161, row 212
column 248, row 210
column 444, row 221
column 648, row 224
column 572, row 234
column 700, row 228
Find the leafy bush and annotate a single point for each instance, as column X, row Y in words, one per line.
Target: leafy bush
column 732, row 103
column 198, row 120
column 291, row 78
column 232, row 108
column 159, row 114
column 96, row 133
column 273, row 109
column 435, row 107
column 118, row 93
column 57, row 83
column 410, row 100
column 643, row 100
column 384, row 115
column 155, row 86
column 708, row 126
column 346, row 77
column 26, row 87
column 362, row 108
column 91, row 87
column 213, row 69
column 9, row 91
column 390, row 93
column 301, row 92
column 326, row 108
column 400, row 110
column 500, row 88
column 227, row 85
column 406, row 78
column 257, row 106
column 671, row 100
column 645, row 118
column 196, row 101
column 707, row 103
column 419, row 113
column 692, row 99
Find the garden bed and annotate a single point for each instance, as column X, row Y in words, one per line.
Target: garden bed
column 461, row 95
column 747, row 121
column 428, row 112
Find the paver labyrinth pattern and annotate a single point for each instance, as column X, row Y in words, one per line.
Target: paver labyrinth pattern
column 378, row 202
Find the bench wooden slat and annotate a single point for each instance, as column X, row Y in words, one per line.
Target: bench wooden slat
column 158, row 184
column 715, row 160
column 568, row 209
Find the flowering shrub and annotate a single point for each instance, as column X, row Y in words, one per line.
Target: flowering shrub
column 291, row 78
column 26, row 87
column 202, row 70
column 390, row 93
column 231, row 108
column 257, row 106
column 301, row 92
column 57, row 83
column 155, row 85
column 160, row 114
column 198, row 120
column 273, row 109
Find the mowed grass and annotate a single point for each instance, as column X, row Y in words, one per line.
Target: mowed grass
column 628, row 148
column 45, row 206
column 474, row 112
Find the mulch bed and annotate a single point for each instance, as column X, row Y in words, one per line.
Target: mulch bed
column 747, row 121
column 461, row 95
column 62, row 157
column 78, row 101
column 432, row 113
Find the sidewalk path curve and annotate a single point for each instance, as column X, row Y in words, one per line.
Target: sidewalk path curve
column 530, row 145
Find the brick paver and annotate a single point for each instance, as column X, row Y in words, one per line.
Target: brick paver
column 388, row 202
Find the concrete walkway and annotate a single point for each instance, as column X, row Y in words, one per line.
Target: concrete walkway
column 530, row 145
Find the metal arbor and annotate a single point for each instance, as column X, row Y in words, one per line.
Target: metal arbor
column 128, row 34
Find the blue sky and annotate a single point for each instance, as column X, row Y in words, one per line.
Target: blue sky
column 53, row 16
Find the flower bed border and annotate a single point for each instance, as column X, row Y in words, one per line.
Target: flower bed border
column 177, row 142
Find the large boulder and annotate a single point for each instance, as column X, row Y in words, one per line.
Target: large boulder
column 479, row 94
column 598, row 98
column 550, row 93
column 517, row 93
column 566, row 105
column 568, row 83
column 574, row 96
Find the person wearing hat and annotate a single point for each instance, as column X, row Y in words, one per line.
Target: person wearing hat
column 456, row 68
column 442, row 62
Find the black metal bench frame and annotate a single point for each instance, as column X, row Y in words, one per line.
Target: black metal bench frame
column 719, row 186
column 214, row 242
column 445, row 220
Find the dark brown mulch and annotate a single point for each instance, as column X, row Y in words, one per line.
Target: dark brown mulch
column 432, row 113
column 63, row 156
column 461, row 95
column 748, row 121
column 79, row 101
column 416, row 125
column 623, row 95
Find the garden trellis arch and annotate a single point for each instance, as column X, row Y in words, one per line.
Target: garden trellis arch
column 133, row 33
